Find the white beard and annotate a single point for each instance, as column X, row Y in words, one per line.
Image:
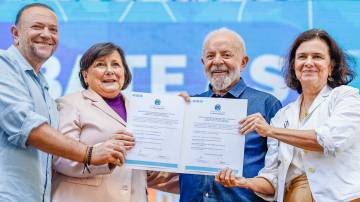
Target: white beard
column 222, row 82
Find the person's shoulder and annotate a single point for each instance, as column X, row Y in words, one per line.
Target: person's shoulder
column 261, row 94
column 9, row 65
column 203, row 94
column 4, row 53
column 287, row 107
column 344, row 90
column 71, row 97
column 284, row 112
column 6, row 56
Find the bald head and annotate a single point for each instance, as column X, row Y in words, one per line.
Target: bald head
column 224, row 58
column 227, row 34
column 21, row 11
column 36, row 34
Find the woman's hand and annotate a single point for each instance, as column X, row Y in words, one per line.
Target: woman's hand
column 126, row 138
column 255, row 122
column 227, row 178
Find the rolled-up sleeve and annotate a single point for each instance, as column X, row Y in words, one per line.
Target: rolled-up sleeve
column 70, row 126
column 17, row 114
column 340, row 131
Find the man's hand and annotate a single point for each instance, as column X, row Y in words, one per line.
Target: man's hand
column 109, row 152
column 227, row 178
column 186, row 96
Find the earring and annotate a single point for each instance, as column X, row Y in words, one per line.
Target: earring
column 330, row 79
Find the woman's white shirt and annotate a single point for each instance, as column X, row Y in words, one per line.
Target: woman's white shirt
column 333, row 175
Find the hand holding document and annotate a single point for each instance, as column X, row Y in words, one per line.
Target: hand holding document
column 197, row 137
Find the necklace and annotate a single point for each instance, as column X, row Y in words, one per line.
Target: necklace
column 306, row 113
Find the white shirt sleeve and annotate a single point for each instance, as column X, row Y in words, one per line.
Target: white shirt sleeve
column 339, row 132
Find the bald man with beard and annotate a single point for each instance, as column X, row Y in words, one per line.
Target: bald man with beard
column 224, row 58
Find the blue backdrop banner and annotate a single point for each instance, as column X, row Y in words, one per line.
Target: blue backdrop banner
column 163, row 40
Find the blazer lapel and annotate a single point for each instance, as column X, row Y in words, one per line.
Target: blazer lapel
column 325, row 92
column 99, row 102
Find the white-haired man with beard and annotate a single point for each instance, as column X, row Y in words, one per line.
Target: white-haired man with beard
column 224, row 57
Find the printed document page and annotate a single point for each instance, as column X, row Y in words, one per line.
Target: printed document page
column 198, row 137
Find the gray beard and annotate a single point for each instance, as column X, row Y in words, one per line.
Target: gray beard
column 222, row 82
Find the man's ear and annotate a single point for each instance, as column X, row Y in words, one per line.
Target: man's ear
column 15, row 34
column 245, row 60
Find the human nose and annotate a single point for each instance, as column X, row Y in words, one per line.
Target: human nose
column 45, row 33
column 308, row 61
column 109, row 69
column 217, row 59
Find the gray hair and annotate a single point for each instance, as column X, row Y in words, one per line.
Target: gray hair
column 224, row 30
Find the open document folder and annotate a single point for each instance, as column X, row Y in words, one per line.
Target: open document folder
column 199, row 137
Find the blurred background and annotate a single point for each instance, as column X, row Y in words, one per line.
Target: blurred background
column 163, row 40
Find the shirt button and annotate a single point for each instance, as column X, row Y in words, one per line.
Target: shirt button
column 206, row 194
column 311, row 170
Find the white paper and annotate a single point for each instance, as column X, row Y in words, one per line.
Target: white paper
column 212, row 141
column 156, row 122
column 197, row 137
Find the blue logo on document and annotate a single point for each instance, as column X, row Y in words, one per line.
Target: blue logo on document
column 157, row 102
column 217, row 107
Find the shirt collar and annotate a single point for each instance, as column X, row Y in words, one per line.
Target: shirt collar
column 25, row 65
column 234, row 91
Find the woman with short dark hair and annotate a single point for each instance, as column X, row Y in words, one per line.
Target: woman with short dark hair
column 98, row 51
column 313, row 144
column 93, row 116
column 341, row 73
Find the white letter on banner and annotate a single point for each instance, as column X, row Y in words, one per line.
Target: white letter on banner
column 159, row 77
column 52, row 69
column 260, row 75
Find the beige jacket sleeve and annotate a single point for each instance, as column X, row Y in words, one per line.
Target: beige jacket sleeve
column 70, row 126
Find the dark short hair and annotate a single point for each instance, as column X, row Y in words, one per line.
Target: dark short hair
column 341, row 73
column 100, row 50
column 21, row 11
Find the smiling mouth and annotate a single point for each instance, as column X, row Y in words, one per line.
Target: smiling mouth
column 109, row 81
column 44, row 43
column 219, row 72
column 309, row 71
